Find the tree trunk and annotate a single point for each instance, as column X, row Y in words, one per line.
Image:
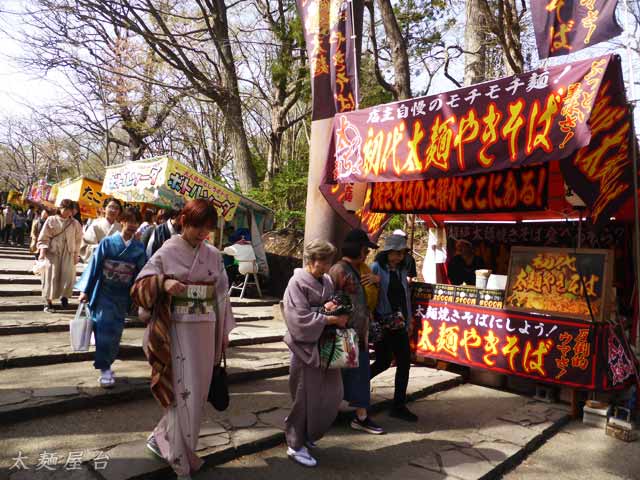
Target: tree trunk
column 399, row 55
column 247, row 177
column 475, row 38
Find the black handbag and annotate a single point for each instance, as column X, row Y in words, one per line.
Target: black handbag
column 219, row 388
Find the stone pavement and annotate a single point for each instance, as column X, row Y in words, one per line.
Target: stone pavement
column 581, row 452
column 466, row 433
column 33, row 349
column 41, row 390
column 254, row 421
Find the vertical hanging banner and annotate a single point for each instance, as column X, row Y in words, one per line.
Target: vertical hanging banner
column 566, row 26
column 332, row 29
column 331, row 49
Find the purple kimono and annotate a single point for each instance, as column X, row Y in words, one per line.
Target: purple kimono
column 316, row 392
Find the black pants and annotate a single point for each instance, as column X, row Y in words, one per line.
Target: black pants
column 394, row 344
column 6, row 233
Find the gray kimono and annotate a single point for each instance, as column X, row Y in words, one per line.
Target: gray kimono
column 316, row 393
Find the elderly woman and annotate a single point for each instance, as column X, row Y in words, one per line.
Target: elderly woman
column 59, row 243
column 183, row 295
column 393, row 313
column 316, row 392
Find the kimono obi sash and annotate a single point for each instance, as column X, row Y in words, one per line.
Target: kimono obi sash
column 118, row 273
column 197, row 303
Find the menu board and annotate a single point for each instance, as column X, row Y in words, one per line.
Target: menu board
column 444, row 293
column 465, row 295
column 490, row 298
column 558, row 281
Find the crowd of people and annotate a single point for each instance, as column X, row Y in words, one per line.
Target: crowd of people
column 164, row 265
column 15, row 223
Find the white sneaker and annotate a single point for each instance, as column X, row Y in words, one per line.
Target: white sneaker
column 106, row 379
column 302, row 457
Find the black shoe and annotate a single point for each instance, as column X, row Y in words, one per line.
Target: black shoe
column 366, row 425
column 403, row 413
column 65, row 302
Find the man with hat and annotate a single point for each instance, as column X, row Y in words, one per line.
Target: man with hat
column 352, row 277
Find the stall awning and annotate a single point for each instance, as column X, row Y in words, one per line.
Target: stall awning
column 574, row 114
column 166, row 182
column 86, row 191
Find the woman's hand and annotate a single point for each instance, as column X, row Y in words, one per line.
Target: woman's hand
column 338, row 321
column 369, row 279
column 42, row 254
column 84, row 298
column 330, row 306
column 174, row 287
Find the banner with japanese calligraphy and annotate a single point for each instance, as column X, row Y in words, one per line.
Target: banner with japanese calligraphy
column 555, row 234
column 536, row 117
column 567, row 26
column 514, row 190
column 541, row 348
column 331, row 48
column 166, row 182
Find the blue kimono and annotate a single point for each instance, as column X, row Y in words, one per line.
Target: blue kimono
column 107, row 281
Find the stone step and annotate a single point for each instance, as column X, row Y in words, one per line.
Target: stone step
column 51, row 348
column 33, row 392
column 16, row 256
column 23, row 290
column 22, row 279
column 34, row 303
column 253, row 422
column 19, row 323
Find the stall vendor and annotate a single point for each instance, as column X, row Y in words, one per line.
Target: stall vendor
column 462, row 267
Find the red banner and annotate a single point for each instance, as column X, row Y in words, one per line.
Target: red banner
column 524, row 189
column 566, row 26
column 330, row 39
column 547, row 350
column 512, row 122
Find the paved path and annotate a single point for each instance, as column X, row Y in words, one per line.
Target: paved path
column 461, row 435
column 253, row 421
column 54, row 347
column 581, row 452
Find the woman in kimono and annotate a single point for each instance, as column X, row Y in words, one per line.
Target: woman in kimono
column 105, row 284
column 316, row 392
column 183, row 295
column 59, row 243
column 101, row 228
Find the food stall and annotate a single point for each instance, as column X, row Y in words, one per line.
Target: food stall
column 510, row 150
column 86, row 191
column 168, row 183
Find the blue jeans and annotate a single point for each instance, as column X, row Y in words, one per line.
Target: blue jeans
column 357, row 386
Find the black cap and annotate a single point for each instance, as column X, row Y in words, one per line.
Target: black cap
column 357, row 236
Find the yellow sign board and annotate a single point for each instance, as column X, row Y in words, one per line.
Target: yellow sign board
column 87, row 192
column 166, row 182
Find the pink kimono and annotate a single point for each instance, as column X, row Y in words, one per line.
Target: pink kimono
column 196, row 344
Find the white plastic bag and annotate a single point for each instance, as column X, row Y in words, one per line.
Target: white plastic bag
column 39, row 267
column 80, row 329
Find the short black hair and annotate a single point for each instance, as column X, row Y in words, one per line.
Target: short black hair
column 382, row 258
column 131, row 214
column 351, row 249
column 114, row 200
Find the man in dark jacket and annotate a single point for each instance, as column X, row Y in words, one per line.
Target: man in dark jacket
column 163, row 232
